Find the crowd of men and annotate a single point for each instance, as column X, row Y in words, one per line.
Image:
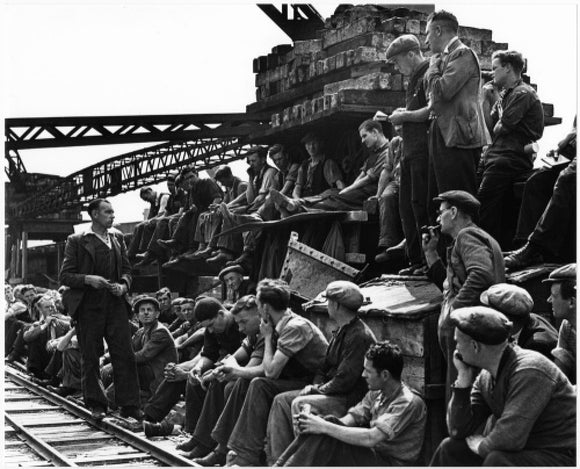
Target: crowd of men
column 263, row 385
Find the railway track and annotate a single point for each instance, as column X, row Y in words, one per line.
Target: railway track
column 45, row 430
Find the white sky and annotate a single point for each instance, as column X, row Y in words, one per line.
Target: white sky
column 81, row 58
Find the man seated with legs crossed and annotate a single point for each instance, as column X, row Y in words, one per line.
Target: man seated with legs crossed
column 339, row 383
column 526, row 403
column 385, row 429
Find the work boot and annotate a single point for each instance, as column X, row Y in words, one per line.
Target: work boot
column 391, row 253
column 163, row 428
column 283, row 202
column 245, row 261
column 202, row 253
column 131, row 411
column 98, row 412
column 200, row 451
column 187, row 445
column 212, row 459
column 220, row 258
column 527, row 255
column 144, row 260
column 168, row 244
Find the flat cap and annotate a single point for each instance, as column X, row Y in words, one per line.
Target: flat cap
column 482, row 324
column 232, row 268
column 345, row 293
column 566, row 272
column 464, row 201
column 511, row 300
column 177, row 301
column 402, row 44
column 207, row 307
column 144, row 299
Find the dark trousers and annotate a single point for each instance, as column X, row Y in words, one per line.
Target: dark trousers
column 134, row 245
column 449, row 168
column 12, row 329
column 165, row 397
column 494, row 194
column 194, row 398
column 163, row 230
column 103, row 315
column 456, row 453
column 558, row 221
column 249, row 433
column 184, row 232
column 535, row 197
column 391, row 231
column 70, row 373
column 413, row 204
column 323, row 450
column 234, row 395
column 38, row 357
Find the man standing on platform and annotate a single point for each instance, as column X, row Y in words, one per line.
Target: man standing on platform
column 405, row 52
column 458, row 130
column 97, row 270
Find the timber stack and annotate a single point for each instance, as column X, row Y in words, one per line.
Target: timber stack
column 345, row 67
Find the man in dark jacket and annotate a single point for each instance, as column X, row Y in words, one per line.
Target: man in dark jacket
column 97, row 270
column 339, row 383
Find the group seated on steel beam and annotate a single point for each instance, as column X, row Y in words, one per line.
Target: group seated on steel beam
column 163, row 207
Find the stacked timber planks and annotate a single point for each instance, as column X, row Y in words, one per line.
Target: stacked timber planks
column 345, row 67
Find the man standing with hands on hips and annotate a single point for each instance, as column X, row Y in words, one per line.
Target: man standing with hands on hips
column 98, row 272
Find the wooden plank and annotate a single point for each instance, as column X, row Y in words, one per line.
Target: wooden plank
column 28, row 410
column 113, row 459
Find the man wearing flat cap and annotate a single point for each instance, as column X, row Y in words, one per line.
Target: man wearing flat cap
column 339, row 383
column 562, row 283
column 235, row 284
column 153, row 344
column 526, row 402
column 530, row 331
column 405, row 53
column 474, row 263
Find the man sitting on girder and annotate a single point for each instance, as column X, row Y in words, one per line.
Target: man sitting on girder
column 350, row 197
column 143, row 231
column 201, row 194
column 262, row 178
column 210, row 222
column 158, row 227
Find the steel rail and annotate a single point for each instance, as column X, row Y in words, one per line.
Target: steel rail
column 39, row 446
column 123, row 434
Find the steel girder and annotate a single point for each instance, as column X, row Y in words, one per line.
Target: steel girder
column 130, row 171
column 45, row 132
column 303, row 24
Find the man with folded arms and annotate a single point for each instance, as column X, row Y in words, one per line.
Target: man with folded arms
column 527, row 404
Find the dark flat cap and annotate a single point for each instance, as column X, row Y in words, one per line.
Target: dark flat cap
column 402, row 44
column 207, row 307
column 144, row 299
column 561, row 274
column 345, row 293
column 511, row 300
column 232, row 268
column 482, row 324
column 464, row 201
